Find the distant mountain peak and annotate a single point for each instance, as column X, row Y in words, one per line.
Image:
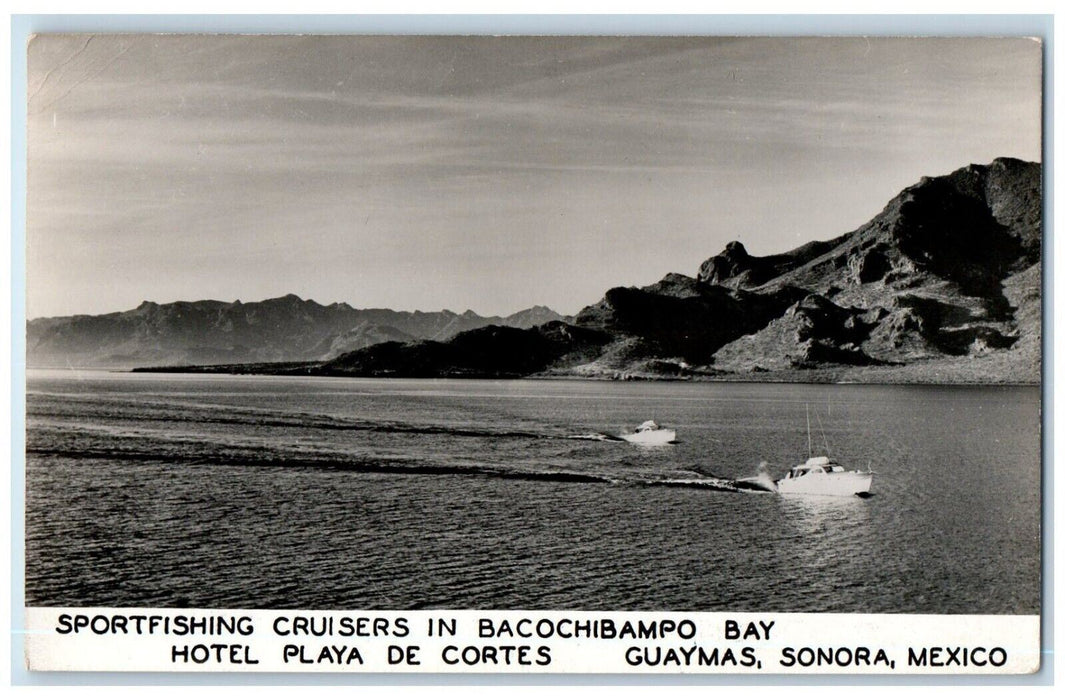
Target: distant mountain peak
column 285, row 328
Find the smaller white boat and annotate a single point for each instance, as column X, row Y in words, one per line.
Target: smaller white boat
column 650, row 433
column 820, row 476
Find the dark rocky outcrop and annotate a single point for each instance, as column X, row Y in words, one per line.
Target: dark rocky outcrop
column 812, row 332
column 690, row 321
column 489, row 352
column 735, row 267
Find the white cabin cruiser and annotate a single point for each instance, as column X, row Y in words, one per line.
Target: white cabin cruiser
column 820, row 476
column 650, row 433
column 823, row 476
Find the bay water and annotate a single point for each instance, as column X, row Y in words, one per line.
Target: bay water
column 333, row 493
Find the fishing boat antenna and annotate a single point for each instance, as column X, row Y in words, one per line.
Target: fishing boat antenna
column 809, row 441
column 828, row 450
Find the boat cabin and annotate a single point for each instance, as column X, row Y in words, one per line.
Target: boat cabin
column 646, row 426
column 814, row 465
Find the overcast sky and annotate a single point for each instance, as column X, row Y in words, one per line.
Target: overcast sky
column 482, row 173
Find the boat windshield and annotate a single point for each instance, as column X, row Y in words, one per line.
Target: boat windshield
column 816, row 465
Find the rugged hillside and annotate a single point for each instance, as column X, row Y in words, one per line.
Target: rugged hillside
column 493, row 351
column 683, row 318
column 214, row 332
column 735, row 267
column 810, row 333
column 949, row 269
column 943, row 285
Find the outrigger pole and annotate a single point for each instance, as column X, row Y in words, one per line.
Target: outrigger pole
column 809, row 440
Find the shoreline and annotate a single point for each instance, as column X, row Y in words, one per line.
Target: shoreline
column 837, row 376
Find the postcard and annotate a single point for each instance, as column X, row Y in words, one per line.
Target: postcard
column 534, row 354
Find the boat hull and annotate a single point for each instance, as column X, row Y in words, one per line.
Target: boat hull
column 830, row 484
column 651, row 437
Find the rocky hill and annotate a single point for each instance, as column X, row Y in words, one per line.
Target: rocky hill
column 490, row 352
column 214, row 332
column 943, row 285
column 949, row 270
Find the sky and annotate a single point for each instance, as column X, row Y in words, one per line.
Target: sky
column 483, row 173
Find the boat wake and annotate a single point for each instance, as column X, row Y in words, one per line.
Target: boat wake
column 199, row 455
column 265, row 418
column 179, row 437
column 319, row 462
column 598, row 437
column 761, row 481
column 707, row 483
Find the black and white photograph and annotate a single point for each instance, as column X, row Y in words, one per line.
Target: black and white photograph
column 538, row 323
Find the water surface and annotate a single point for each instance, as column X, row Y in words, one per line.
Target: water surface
column 263, row 492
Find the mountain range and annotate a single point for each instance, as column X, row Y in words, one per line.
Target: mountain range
column 942, row 286
column 287, row 328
